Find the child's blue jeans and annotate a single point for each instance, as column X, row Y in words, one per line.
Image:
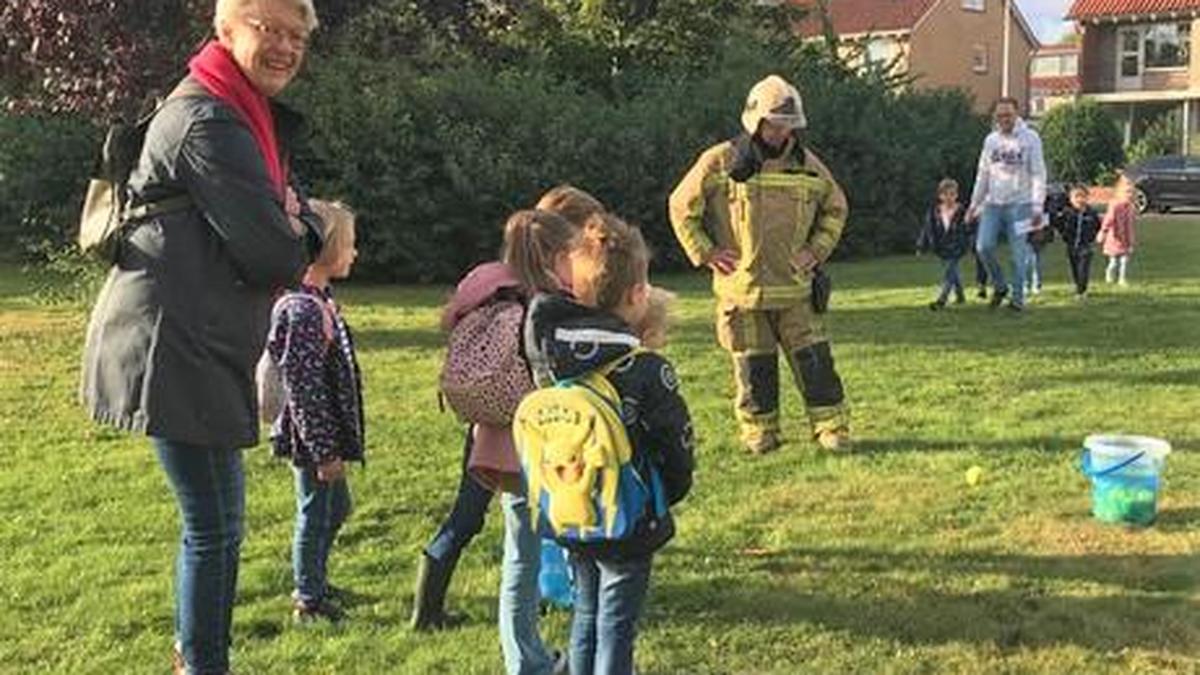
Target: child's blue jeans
column 608, row 601
column 209, row 488
column 321, row 508
column 950, row 280
column 524, row 653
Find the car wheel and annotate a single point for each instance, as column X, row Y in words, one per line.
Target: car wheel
column 1141, row 200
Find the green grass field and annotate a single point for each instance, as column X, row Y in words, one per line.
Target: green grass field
column 880, row 560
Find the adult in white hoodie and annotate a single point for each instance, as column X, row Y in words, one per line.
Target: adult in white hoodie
column 1010, row 188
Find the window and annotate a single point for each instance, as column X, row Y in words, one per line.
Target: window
column 1130, row 63
column 881, row 52
column 1039, row 106
column 1055, row 65
column 975, row 5
column 1046, row 66
column 979, row 59
column 1167, row 45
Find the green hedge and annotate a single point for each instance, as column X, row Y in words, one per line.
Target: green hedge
column 44, row 162
column 434, row 160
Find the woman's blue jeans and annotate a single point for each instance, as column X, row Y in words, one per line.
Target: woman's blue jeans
column 321, row 508
column 210, row 490
column 608, row 601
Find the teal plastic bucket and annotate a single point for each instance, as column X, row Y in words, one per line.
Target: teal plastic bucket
column 1125, row 472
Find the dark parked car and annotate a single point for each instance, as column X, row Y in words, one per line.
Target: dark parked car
column 1161, row 183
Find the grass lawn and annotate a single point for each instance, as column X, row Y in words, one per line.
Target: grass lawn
column 881, row 560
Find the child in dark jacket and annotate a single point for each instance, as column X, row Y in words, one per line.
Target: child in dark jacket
column 320, row 425
column 1078, row 224
column 565, row 339
column 946, row 234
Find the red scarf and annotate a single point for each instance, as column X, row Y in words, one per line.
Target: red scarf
column 215, row 68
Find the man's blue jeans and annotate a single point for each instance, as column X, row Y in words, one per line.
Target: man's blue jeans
column 524, row 653
column 321, row 508
column 1003, row 219
column 608, row 601
column 210, row 490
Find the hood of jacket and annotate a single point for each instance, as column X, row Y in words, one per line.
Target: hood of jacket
column 564, row 339
column 477, row 288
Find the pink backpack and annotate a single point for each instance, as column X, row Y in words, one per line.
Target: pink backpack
column 484, row 376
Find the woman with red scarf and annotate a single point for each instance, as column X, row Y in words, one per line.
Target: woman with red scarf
column 183, row 316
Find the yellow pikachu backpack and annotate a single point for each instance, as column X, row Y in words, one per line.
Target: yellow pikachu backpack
column 577, row 463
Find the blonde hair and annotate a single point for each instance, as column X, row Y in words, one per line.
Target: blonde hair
column 226, row 8
column 946, row 185
column 612, row 259
column 571, row 203
column 339, row 229
column 532, row 240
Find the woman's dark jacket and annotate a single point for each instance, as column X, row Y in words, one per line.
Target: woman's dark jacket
column 182, row 318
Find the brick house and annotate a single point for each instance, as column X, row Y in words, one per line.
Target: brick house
column 1140, row 60
column 943, row 43
column 1053, row 77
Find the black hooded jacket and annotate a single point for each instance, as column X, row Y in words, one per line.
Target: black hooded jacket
column 564, row 340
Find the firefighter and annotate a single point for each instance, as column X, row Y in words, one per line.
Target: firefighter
column 763, row 212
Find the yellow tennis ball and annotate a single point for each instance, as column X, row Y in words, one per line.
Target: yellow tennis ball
column 974, row 475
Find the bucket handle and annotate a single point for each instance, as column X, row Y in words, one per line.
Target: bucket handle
column 1087, row 464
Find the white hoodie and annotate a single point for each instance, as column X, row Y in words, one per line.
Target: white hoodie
column 1011, row 169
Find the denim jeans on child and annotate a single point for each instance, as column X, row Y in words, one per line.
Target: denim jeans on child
column 951, row 282
column 209, row 487
column 466, row 517
column 1034, row 273
column 321, row 508
column 1081, row 268
column 608, row 601
column 998, row 219
column 524, row 653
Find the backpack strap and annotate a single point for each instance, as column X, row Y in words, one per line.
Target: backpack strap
column 326, row 312
column 188, row 87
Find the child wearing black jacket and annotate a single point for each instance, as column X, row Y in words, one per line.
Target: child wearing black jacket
column 564, row 340
column 1078, row 224
column 947, row 235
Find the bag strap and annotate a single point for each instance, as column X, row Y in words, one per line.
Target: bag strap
column 322, row 304
column 187, row 88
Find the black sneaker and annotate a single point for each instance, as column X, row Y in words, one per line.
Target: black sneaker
column 936, row 305
column 305, row 612
column 998, row 298
column 982, row 294
column 960, row 299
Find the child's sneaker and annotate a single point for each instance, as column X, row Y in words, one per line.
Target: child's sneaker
column 959, row 298
column 305, row 612
column 982, row 293
column 1122, row 282
column 936, row 305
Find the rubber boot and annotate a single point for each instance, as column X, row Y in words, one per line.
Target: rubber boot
column 433, row 578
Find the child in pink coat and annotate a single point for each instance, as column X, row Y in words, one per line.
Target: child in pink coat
column 1116, row 233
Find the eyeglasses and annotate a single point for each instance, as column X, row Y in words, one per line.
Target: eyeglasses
column 295, row 39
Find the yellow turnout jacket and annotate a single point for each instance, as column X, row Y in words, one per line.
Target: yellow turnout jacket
column 786, row 206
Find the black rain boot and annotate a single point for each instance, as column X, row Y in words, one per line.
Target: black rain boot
column 433, row 578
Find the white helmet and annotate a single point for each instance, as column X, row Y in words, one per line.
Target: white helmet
column 776, row 100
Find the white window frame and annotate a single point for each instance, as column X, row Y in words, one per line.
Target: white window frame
column 974, row 5
column 979, row 66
